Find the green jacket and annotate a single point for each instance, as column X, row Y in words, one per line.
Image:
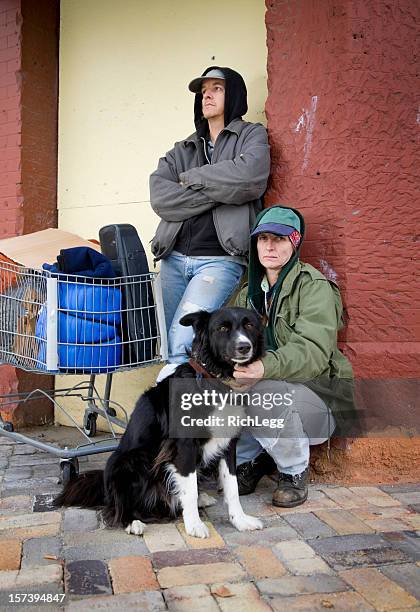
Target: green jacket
column 307, row 316
column 302, row 324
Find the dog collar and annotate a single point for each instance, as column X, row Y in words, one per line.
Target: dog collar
column 202, row 372
column 199, row 368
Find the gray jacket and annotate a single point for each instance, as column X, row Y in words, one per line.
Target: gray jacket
column 185, row 185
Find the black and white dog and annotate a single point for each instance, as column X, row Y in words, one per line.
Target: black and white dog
column 151, row 475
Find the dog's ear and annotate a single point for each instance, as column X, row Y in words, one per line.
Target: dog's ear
column 196, row 319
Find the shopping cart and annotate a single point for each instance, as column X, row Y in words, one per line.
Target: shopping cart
column 54, row 323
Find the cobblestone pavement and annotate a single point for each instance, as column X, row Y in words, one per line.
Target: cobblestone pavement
column 347, row 548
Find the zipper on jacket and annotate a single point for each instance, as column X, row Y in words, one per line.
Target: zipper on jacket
column 267, row 310
column 209, row 161
column 248, row 299
column 205, row 150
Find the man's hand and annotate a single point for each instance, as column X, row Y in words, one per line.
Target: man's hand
column 252, row 370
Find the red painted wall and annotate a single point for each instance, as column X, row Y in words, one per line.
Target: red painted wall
column 343, row 119
column 28, row 149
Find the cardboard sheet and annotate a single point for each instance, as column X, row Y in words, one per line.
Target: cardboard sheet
column 32, row 250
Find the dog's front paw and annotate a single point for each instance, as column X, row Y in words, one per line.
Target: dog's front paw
column 205, row 500
column 245, row 522
column 197, row 530
column 136, row 528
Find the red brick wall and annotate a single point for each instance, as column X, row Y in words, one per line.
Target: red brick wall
column 11, row 199
column 40, row 113
column 28, row 149
column 343, row 117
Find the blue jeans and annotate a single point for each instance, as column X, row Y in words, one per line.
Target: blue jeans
column 190, row 284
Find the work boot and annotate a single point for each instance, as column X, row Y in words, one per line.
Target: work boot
column 249, row 474
column 291, row 490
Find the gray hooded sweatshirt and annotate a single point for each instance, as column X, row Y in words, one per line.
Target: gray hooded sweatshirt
column 230, row 186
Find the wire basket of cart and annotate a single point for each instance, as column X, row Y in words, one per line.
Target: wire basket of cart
column 55, row 323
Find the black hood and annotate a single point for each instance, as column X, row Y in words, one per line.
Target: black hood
column 236, row 104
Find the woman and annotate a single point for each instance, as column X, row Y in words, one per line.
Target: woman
column 303, row 312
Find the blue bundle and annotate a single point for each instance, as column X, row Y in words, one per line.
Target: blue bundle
column 89, row 313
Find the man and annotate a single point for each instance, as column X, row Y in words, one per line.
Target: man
column 207, row 191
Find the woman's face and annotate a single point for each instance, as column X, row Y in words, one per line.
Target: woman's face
column 273, row 251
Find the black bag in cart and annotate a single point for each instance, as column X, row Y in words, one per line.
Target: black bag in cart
column 123, row 247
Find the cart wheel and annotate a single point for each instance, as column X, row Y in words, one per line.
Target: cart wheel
column 7, row 426
column 89, row 426
column 69, row 471
column 112, row 412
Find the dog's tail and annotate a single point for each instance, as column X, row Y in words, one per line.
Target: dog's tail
column 85, row 491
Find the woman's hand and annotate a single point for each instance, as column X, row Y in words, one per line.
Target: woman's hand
column 252, row 370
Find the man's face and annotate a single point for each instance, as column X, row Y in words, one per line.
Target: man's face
column 274, row 251
column 213, row 91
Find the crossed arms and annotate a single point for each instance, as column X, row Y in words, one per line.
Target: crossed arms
column 233, row 181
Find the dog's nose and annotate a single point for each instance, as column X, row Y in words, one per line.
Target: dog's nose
column 243, row 347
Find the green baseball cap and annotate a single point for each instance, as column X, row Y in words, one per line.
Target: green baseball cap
column 278, row 220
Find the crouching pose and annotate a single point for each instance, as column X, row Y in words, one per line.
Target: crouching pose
column 302, row 311
column 152, row 475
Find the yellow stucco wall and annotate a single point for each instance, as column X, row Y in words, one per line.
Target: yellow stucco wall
column 123, row 102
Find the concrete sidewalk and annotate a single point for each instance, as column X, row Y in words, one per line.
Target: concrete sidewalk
column 346, row 548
